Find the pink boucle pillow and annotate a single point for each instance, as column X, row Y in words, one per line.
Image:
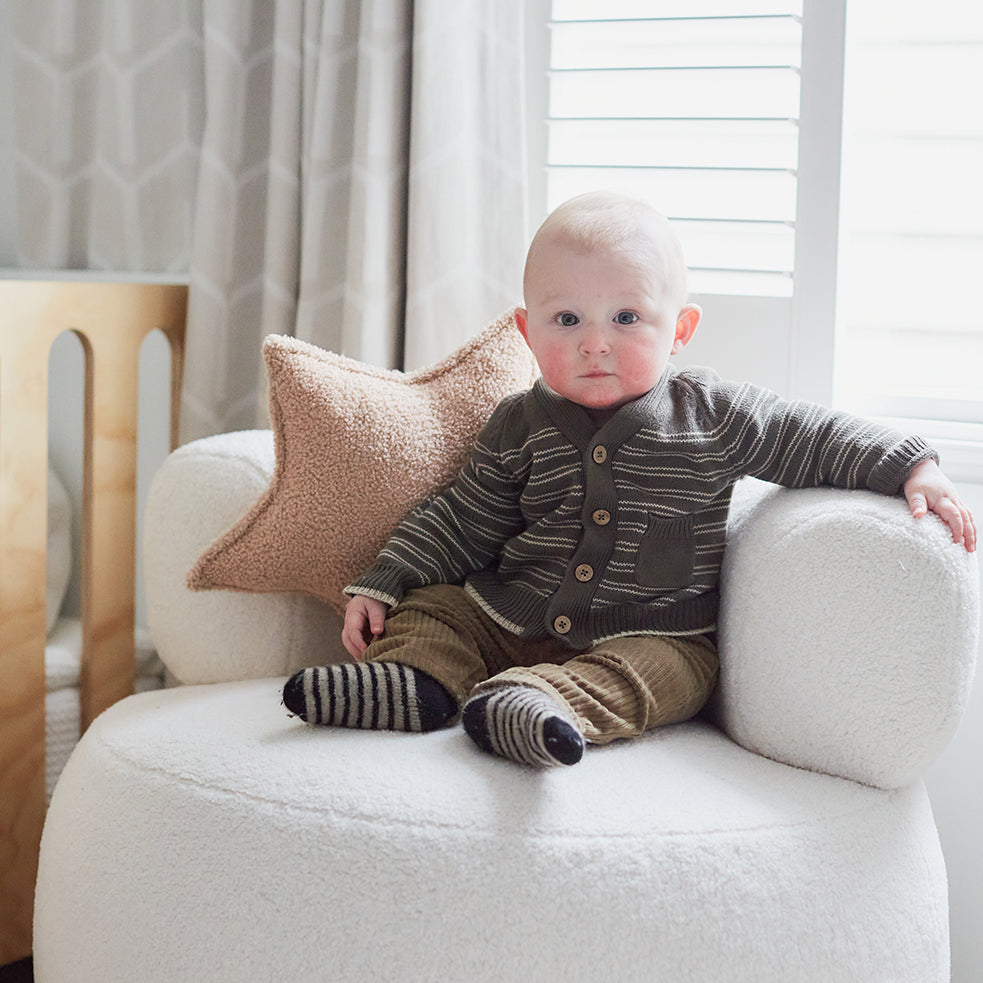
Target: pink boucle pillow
column 357, row 447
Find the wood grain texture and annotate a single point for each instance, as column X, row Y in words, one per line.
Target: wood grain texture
column 111, row 320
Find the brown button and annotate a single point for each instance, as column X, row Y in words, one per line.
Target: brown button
column 584, row 572
column 601, row 516
column 600, row 454
column 562, row 624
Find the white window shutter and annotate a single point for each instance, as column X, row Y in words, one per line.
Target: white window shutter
column 694, row 107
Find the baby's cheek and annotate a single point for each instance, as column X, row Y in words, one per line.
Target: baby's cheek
column 553, row 366
column 644, row 369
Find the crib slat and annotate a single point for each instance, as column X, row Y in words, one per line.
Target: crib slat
column 109, row 521
column 109, row 511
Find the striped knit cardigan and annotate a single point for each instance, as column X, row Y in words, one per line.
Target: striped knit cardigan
column 559, row 528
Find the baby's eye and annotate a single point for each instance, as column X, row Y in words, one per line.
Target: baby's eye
column 626, row 317
column 568, row 320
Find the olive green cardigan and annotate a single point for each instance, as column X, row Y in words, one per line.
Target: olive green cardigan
column 559, row 528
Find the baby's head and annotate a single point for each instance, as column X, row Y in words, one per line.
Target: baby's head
column 605, row 294
column 602, row 220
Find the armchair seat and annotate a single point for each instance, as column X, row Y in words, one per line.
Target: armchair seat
column 784, row 837
column 200, row 829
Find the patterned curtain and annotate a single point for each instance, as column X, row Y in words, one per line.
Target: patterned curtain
column 348, row 171
column 107, row 121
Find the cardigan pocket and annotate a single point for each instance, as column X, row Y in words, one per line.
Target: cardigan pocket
column 667, row 554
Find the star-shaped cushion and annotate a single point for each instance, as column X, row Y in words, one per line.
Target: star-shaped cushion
column 357, row 447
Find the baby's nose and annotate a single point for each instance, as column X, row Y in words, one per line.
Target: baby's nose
column 594, row 340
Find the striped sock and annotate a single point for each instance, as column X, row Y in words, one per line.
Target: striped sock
column 369, row 696
column 523, row 724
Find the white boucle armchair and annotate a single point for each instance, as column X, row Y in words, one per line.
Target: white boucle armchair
column 200, row 833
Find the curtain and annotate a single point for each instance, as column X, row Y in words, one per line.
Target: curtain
column 106, row 123
column 347, row 171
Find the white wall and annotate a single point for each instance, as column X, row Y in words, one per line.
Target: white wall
column 956, row 789
column 746, row 338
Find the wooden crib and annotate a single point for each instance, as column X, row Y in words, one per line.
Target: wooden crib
column 111, row 320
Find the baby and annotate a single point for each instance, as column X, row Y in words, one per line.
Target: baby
column 564, row 590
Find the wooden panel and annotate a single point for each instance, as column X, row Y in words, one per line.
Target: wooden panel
column 112, row 320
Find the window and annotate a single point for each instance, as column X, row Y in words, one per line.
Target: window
column 910, row 321
column 729, row 116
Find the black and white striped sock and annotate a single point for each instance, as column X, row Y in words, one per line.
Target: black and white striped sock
column 369, row 696
column 523, row 724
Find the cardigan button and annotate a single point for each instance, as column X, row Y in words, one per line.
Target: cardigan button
column 601, row 517
column 562, row 625
column 599, row 454
column 584, row 572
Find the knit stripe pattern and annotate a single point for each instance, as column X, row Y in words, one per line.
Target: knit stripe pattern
column 367, row 696
column 514, row 722
column 558, row 528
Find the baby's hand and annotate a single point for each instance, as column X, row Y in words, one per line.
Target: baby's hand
column 364, row 619
column 929, row 490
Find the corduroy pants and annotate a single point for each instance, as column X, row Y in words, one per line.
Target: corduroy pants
column 618, row 688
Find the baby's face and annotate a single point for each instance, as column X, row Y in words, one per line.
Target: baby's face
column 601, row 324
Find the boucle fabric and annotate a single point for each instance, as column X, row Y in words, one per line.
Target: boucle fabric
column 356, row 448
column 848, row 633
column 201, row 490
column 201, row 834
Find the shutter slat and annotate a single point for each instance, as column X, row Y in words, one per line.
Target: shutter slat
column 674, row 143
column 641, row 9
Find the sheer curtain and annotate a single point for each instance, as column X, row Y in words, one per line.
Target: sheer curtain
column 348, row 171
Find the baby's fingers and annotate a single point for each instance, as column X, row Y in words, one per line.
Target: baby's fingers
column 918, row 504
column 969, row 531
column 959, row 520
column 354, row 641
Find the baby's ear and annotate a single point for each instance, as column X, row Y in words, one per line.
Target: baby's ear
column 521, row 320
column 686, row 325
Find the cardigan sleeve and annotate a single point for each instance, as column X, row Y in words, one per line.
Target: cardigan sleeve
column 800, row 444
column 460, row 531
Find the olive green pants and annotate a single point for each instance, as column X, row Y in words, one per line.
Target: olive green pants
column 618, row 688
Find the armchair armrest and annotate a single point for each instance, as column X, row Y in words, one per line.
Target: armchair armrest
column 203, row 489
column 848, row 632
